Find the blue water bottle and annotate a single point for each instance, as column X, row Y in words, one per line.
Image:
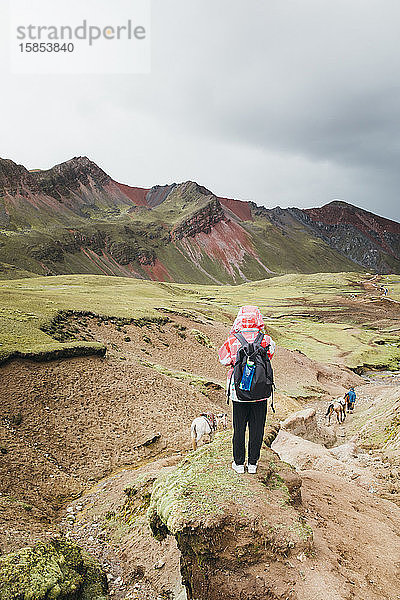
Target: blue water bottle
column 247, row 376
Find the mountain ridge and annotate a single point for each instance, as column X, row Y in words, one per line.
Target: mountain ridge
column 75, row 218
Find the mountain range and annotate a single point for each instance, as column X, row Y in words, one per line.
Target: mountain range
column 74, row 218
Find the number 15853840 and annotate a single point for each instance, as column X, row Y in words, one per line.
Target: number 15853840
column 46, row 47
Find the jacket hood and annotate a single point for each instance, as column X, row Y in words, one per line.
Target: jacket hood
column 248, row 317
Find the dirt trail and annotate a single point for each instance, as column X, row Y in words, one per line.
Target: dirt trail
column 345, row 494
column 376, row 289
column 359, row 451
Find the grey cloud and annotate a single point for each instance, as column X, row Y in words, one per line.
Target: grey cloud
column 279, row 101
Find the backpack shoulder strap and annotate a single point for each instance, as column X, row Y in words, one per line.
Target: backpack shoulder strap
column 259, row 338
column 241, row 338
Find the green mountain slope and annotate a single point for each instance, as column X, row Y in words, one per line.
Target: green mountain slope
column 74, row 218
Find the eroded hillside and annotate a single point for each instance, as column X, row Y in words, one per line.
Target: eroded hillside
column 89, row 443
column 74, row 218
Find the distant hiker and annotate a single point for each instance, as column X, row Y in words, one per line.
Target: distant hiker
column 248, row 351
column 384, row 290
column 350, row 398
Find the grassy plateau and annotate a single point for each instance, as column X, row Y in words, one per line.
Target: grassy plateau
column 329, row 317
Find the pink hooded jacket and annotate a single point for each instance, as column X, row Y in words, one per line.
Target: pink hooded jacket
column 249, row 322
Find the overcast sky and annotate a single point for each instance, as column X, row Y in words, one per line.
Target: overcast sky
column 284, row 102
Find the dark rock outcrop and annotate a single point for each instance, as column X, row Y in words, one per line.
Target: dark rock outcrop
column 71, row 242
column 366, row 238
column 68, row 177
column 95, row 240
column 48, row 252
column 200, row 221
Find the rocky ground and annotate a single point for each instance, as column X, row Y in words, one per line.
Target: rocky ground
column 369, row 438
column 83, row 441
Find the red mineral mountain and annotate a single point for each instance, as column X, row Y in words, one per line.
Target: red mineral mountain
column 74, row 218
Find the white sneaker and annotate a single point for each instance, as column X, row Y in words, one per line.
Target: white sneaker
column 238, row 468
column 252, row 469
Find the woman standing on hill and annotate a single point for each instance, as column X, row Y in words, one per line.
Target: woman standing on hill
column 248, row 351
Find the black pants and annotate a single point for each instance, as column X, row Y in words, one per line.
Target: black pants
column 252, row 414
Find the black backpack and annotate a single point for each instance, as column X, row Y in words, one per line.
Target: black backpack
column 262, row 380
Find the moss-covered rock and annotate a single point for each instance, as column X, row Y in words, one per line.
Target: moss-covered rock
column 56, row 570
column 228, row 526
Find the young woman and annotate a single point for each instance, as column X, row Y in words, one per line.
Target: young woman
column 248, row 323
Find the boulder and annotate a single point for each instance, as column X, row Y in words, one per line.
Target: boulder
column 345, row 452
column 56, row 570
column 305, row 455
